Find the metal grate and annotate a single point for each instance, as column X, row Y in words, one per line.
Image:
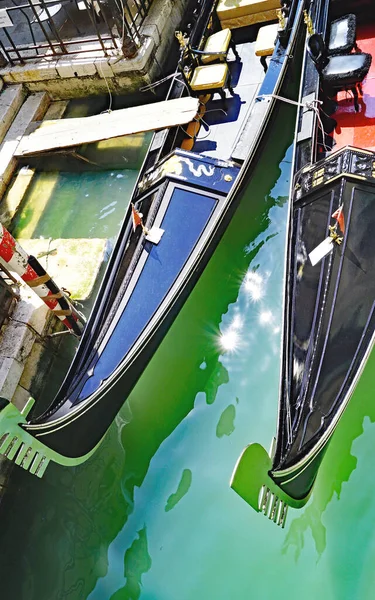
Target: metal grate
column 33, row 29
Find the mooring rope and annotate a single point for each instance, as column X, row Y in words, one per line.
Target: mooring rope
column 151, row 86
column 309, row 105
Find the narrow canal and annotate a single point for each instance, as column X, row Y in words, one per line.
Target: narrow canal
column 151, row 515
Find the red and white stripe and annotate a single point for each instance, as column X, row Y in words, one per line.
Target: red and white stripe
column 15, row 258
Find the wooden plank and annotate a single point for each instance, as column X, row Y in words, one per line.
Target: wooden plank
column 51, row 135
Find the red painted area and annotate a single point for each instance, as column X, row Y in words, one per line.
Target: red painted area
column 7, row 245
column 50, row 303
column 358, row 129
column 29, row 274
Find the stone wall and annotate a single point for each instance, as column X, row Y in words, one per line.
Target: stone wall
column 85, row 74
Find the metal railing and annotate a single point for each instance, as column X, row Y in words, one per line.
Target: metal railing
column 31, row 29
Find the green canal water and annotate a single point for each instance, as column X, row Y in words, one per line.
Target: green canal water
column 151, row 515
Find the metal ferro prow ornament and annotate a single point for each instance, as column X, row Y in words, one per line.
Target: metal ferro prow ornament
column 19, row 446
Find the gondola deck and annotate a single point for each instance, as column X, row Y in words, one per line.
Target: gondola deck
column 247, row 77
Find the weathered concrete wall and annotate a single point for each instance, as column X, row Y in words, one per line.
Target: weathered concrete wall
column 33, row 109
column 86, row 74
column 30, row 320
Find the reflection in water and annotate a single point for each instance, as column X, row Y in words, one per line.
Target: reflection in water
column 76, row 206
column 217, row 376
column 230, row 339
column 137, row 562
column 295, row 538
column 255, row 285
column 266, row 317
column 225, row 425
column 182, row 489
column 337, row 468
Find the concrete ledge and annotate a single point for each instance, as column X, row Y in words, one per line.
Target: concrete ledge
column 14, row 195
column 103, row 68
column 38, row 72
column 78, row 75
column 157, row 19
column 29, row 319
column 10, row 374
column 33, row 109
column 55, row 110
column 19, row 185
column 11, row 100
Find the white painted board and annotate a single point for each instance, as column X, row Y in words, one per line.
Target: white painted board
column 65, row 133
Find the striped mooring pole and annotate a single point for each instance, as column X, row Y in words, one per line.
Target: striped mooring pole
column 14, row 258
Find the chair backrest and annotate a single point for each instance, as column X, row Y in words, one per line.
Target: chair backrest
column 317, row 50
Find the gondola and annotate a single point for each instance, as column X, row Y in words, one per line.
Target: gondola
column 329, row 321
column 184, row 197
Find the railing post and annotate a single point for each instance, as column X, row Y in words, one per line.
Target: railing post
column 14, row 257
column 129, row 46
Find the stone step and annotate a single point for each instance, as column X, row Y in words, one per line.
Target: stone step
column 56, row 110
column 11, row 100
column 19, row 185
column 30, row 318
column 33, row 109
column 11, row 202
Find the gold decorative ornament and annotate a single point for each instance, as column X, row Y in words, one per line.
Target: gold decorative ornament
column 281, row 17
column 308, row 22
column 172, row 165
column 334, row 235
column 182, row 39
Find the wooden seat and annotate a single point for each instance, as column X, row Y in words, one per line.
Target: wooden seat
column 265, row 42
column 240, row 13
column 217, row 46
column 204, row 78
column 209, row 79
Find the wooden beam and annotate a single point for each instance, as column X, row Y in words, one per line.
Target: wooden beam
column 64, row 133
